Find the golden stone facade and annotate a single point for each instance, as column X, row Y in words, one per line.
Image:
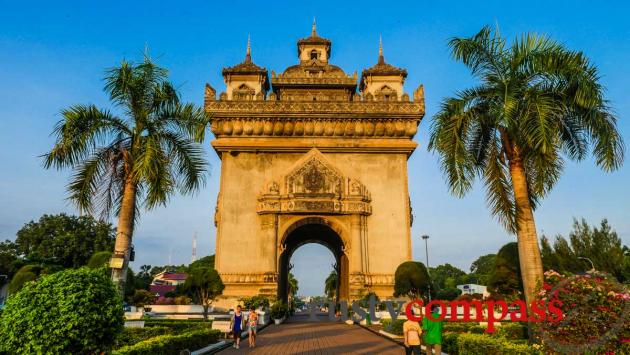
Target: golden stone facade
column 306, row 157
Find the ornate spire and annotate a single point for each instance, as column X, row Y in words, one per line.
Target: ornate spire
column 314, row 29
column 248, row 55
column 381, row 58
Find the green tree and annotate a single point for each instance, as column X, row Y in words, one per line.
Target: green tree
column 64, row 240
column 123, row 163
column 142, row 298
column 602, row 245
column 505, row 278
column 293, row 285
column 481, row 269
column 537, row 104
column 30, row 272
column 144, row 277
column 207, row 261
column 203, row 285
column 99, row 259
column 74, row 311
column 411, row 280
column 9, row 260
column 330, row 286
column 448, row 294
column 446, row 276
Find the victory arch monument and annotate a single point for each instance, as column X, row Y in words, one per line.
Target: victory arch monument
column 312, row 155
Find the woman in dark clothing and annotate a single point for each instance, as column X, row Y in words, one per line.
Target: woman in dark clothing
column 237, row 321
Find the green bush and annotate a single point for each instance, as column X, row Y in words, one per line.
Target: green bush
column 449, row 343
column 179, row 326
column 99, row 259
column 74, row 311
column 461, row 327
column 514, row 331
column 457, row 327
column 479, row 344
column 279, row 310
column 131, row 336
column 395, row 328
column 171, row 344
column 255, row 301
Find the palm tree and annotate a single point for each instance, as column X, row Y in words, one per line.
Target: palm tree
column 138, row 159
column 330, row 286
column 536, row 105
column 293, row 285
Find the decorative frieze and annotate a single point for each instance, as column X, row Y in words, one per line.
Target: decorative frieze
column 285, row 127
column 278, row 108
column 235, row 278
column 314, row 186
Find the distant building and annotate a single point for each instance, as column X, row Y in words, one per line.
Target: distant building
column 469, row 289
column 166, row 282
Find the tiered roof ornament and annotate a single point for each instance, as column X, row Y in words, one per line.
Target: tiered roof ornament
column 383, row 80
column 246, row 80
column 314, row 100
column 316, row 42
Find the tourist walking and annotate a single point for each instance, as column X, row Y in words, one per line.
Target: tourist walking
column 413, row 333
column 252, row 323
column 433, row 332
column 236, row 325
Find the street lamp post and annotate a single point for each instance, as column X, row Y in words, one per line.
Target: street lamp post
column 426, row 249
column 589, row 260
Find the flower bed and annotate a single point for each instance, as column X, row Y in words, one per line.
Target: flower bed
column 595, row 309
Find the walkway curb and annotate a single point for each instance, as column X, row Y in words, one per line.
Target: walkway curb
column 424, row 349
column 244, row 335
column 381, row 335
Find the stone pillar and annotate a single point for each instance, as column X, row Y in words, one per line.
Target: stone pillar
column 359, row 265
column 269, row 252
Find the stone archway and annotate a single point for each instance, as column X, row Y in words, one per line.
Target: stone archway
column 292, row 166
column 312, row 230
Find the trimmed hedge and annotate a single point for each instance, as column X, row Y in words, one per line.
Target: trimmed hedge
column 396, row 328
column 514, row 331
column 171, row 344
column 478, row 344
column 131, row 336
column 178, row 326
column 449, row 343
column 461, row 327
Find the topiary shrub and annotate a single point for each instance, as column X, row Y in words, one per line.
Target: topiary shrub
column 99, row 259
column 72, row 311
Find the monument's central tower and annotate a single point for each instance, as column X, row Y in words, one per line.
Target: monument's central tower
column 306, row 157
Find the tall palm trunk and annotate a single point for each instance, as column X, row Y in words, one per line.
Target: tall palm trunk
column 528, row 249
column 124, row 232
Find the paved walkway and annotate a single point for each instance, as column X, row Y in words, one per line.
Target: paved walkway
column 299, row 336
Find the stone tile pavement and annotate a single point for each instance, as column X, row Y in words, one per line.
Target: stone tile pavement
column 300, row 336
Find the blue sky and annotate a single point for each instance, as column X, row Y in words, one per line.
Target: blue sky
column 53, row 54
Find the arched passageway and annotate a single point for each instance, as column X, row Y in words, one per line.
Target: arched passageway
column 313, row 232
